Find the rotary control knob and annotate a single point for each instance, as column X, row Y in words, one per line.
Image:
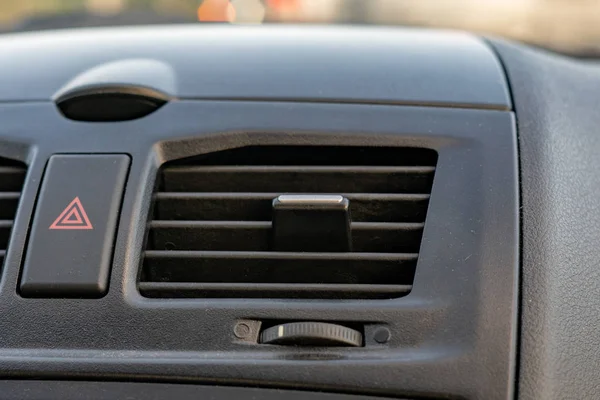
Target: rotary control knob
column 311, row 334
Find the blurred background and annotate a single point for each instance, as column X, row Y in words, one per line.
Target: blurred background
column 570, row 26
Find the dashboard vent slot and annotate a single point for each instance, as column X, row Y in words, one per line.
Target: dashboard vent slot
column 12, row 177
column 211, row 230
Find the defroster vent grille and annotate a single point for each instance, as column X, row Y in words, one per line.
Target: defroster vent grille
column 212, row 234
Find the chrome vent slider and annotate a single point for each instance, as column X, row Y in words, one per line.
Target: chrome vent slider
column 311, row 222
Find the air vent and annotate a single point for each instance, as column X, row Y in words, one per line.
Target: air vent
column 212, row 232
column 12, row 176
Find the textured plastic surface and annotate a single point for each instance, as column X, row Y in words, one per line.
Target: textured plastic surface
column 557, row 104
column 73, row 232
column 457, row 324
column 452, row 336
column 53, row 390
column 277, row 63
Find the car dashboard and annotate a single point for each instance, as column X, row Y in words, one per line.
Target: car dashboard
column 302, row 212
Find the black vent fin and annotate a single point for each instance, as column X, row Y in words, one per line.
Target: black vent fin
column 212, row 232
column 12, row 177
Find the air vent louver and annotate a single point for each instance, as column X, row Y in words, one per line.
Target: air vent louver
column 12, row 177
column 211, row 230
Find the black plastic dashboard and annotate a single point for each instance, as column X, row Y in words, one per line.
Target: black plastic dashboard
column 454, row 333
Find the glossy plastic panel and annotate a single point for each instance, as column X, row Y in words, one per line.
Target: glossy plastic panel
column 382, row 65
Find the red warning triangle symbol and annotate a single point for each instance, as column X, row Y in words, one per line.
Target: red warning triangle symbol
column 72, row 217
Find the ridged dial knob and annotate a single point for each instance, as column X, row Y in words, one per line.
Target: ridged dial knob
column 311, row 334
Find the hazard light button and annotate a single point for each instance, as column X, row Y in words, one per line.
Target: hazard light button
column 72, row 237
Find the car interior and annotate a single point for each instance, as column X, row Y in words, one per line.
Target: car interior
column 171, row 182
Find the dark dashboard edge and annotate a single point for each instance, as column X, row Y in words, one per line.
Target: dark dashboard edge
column 465, row 106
